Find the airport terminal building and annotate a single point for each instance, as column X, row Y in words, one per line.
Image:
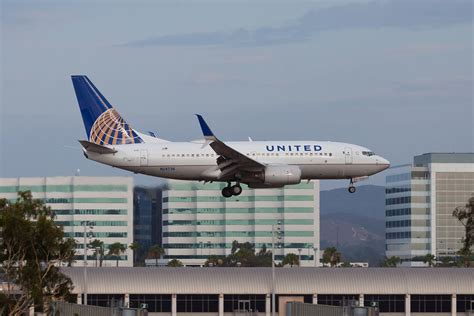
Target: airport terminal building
column 198, row 222
column 225, row 291
column 104, row 204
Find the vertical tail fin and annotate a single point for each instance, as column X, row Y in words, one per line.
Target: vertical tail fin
column 103, row 123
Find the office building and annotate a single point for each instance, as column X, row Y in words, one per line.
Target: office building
column 104, row 204
column 420, row 200
column 198, row 222
column 147, row 218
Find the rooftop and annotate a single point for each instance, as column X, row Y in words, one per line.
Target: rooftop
column 165, row 280
column 428, row 158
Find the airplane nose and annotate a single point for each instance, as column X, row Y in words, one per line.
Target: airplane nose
column 383, row 163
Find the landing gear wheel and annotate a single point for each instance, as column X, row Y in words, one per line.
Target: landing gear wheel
column 351, row 189
column 236, row 189
column 227, row 192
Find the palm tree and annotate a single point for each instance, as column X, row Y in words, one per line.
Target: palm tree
column 155, row 252
column 391, row 262
column 429, row 259
column 116, row 249
column 175, row 263
column 98, row 246
column 331, row 256
column 291, row 259
column 134, row 246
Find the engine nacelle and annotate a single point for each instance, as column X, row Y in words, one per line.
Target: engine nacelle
column 282, row 175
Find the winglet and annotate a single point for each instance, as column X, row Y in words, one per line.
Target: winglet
column 208, row 134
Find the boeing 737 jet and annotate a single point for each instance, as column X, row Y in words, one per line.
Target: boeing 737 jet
column 259, row 164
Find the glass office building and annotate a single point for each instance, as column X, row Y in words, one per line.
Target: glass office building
column 104, row 204
column 198, row 222
column 420, row 200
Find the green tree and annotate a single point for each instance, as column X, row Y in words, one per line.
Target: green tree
column 429, row 259
column 242, row 254
column 32, row 250
column 390, row 262
column 98, row 247
column 331, row 256
column 263, row 258
column 214, row 261
column 116, row 249
column 175, row 263
column 465, row 216
column 155, row 252
column 446, row 262
column 291, row 259
column 135, row 247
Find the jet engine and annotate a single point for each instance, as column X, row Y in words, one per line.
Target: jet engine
column 278, row 176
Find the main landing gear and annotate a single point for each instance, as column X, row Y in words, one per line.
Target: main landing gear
column 351, row 188
column 231, row 190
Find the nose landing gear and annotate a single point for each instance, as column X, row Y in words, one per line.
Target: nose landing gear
column 231, row 190
column 351, row 188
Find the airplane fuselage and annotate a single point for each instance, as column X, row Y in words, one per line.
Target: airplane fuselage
column 197, row 160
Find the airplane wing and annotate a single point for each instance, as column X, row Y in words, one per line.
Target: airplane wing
column 230, row 161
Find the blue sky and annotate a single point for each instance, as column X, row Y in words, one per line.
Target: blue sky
column 395, row 76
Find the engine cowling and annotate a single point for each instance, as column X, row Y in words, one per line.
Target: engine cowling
column 282, row 175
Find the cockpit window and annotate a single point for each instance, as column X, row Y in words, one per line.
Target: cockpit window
column 368, row 153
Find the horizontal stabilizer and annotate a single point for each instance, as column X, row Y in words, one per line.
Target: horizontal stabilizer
column 89, row 146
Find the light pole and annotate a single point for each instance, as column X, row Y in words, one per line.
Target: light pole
column 316, row 257
column 85, row 224
column 275, row 230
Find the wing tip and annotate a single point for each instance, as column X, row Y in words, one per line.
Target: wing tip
column 206, row 130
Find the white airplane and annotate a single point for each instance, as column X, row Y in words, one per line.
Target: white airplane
column 259, row 164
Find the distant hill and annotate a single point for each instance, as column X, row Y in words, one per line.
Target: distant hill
column 368, row 200
column 354, row 223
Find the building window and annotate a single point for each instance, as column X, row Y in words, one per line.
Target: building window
column 465, row 303
column 430, row 303
column 398, row 212
column 394, row 224
column 106, row 300
column 336, row 300
column 248, row 303
column 386, row 303
column 195, row 303
column 156, row 303
column 398, row 235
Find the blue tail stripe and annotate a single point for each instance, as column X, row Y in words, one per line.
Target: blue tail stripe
column 93, row 105
column 91, row 102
